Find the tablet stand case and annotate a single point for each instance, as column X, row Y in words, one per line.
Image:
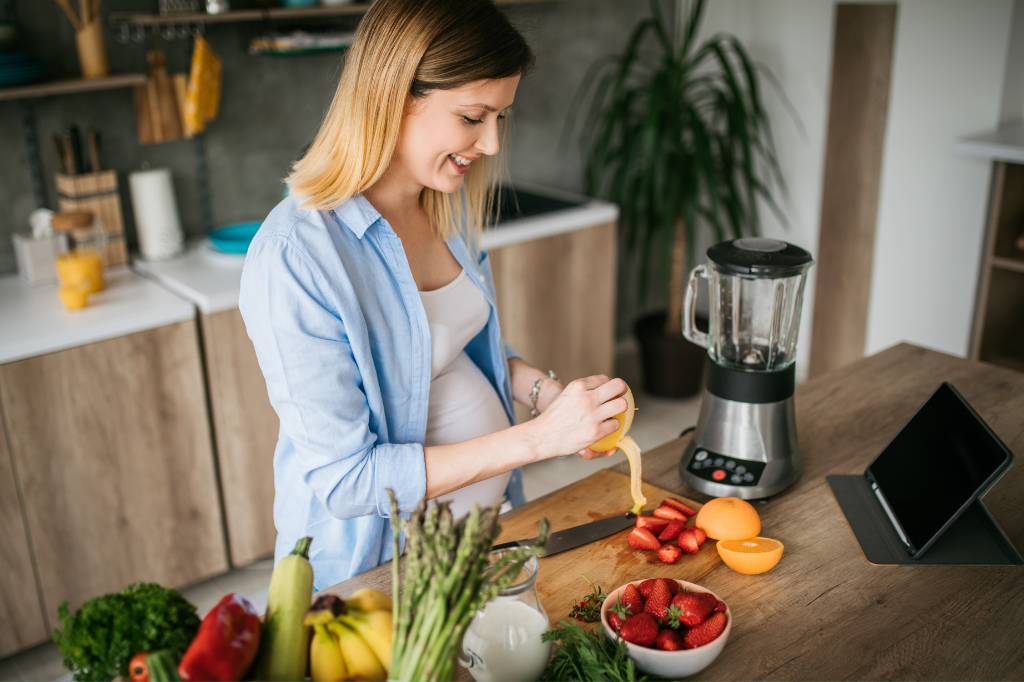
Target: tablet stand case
column 974, row 539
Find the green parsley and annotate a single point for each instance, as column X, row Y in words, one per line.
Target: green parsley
column 583, row 656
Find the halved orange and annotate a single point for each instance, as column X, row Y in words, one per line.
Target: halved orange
column 750, row 556
column 728, row 518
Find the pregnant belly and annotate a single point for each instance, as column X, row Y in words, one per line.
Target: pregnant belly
column 463, row 405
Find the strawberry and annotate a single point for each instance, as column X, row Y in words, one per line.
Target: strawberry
column 672, row 502
column 645, row 588
column 667, row 512
column 720, row 607
column 705, row 633
column 687, row 541
column 632, row 599
column 669, row 554
column 588, row 610
column 661, row 597
column 694, row 607
column 669, row 640
column 640, row 629
column 672, row 585
column 641, row 538
column 617, row 615
column 672, row 530
column 651, row 523
column 700, row 534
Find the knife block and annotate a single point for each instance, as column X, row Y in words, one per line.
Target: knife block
column 98, row 194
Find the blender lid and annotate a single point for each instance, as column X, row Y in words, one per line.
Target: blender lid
column 760, row 256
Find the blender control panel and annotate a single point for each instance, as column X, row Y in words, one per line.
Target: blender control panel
column 724, row 469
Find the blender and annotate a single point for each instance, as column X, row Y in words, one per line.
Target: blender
column 744, row 444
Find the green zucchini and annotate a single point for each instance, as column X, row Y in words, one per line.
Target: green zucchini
column 162, row 667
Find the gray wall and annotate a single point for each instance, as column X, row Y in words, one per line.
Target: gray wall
column 271, row 108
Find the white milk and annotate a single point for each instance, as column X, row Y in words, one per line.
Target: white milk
column 504, row 642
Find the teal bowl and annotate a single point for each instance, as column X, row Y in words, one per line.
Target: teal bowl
column 234, row 238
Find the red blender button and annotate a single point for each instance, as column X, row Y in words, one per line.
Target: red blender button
column 718, row 475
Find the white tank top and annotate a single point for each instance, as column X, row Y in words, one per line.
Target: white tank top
column 463, row 404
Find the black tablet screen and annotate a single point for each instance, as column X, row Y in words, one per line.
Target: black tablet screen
column 935, row 464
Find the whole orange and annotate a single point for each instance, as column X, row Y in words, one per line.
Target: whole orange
column 728, row 518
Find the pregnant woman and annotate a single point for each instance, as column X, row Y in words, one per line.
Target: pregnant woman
column 372, row 309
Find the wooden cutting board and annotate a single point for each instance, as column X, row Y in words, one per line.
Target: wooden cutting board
column 609, row 562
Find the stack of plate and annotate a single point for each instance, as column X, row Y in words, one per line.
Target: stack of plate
column 20, row 67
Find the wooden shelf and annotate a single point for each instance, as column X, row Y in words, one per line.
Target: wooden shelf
column 1008, row 264
column 71, row 86
column 273, row 13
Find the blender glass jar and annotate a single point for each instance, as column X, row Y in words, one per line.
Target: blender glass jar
column 756, row 289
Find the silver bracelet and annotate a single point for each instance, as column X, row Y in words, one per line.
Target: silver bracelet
column 535, row 392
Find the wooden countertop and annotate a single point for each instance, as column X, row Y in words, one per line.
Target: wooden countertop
column 824, row 612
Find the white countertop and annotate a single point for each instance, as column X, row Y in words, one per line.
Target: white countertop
column 1003, row 144
column 33, row 321
column 211, row 280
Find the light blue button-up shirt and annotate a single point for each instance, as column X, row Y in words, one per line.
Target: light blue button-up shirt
column 340, row 332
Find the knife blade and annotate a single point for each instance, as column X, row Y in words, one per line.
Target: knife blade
column 583, row 534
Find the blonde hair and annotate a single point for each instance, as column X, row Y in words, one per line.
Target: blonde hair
column 401, row 48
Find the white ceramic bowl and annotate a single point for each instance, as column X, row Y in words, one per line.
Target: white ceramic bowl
column 672, row 664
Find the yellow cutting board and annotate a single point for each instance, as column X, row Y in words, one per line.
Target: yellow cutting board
column 609, row 562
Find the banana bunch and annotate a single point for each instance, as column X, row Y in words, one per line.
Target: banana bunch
column 351, row 637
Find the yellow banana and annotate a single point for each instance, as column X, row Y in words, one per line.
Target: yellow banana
column 359, row 659
column 369, row 599
column 325, row 661
column 375, row 629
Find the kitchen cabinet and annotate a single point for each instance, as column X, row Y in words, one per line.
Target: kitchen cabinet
column 556, row 301
column 245, row 431
column 22, row 623
column 109, row 441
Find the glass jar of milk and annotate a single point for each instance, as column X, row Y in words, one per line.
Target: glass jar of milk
column 503, row 641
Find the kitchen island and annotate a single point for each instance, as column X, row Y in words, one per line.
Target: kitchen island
column 824, row 612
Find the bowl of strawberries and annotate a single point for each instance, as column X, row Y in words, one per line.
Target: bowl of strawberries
column 672, row 628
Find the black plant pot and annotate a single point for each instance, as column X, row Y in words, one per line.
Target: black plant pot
column 673, row 367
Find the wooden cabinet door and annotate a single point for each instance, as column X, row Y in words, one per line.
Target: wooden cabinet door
column 21, row 615
column 111, row 442
column 556, row 301
column 245, row 427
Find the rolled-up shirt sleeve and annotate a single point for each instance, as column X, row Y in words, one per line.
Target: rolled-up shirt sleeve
column 316, row 386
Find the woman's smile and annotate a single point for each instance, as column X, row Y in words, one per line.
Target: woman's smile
column 460, row 163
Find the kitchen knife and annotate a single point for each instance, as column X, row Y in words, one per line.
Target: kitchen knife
column 76, row 149
column 579, row 535
column 94, row 150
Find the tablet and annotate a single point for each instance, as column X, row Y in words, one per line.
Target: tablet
column 944, row 459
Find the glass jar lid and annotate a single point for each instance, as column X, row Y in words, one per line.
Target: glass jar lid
column 760, row 256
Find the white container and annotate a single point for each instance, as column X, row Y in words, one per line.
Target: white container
column 503, row 642
column 37, row 258
column 671, row 664
column 156, row 214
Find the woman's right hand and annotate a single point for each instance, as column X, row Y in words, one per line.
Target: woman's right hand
column 583, row 414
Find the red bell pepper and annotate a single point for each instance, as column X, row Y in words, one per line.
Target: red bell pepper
column 226, row 643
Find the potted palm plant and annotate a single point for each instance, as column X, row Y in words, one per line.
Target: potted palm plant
column 677, row 136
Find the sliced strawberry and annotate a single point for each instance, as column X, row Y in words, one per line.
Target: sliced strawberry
column 632, row 599
column 672, row 530
column 669, row 640
column 694, row 607
column 651, row 523
column 641, row 538
column 672, row 585
column 700, row 535
column 669, row 554
column 617, row 615
column 661, row 597
column 705, row 633
column 667, row 512
column 720, row 607
column 640, row 629
column 687, row 541
column 672, row 502
column 645, row 588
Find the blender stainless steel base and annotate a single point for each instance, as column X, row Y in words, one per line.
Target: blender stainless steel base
column 742, row 449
